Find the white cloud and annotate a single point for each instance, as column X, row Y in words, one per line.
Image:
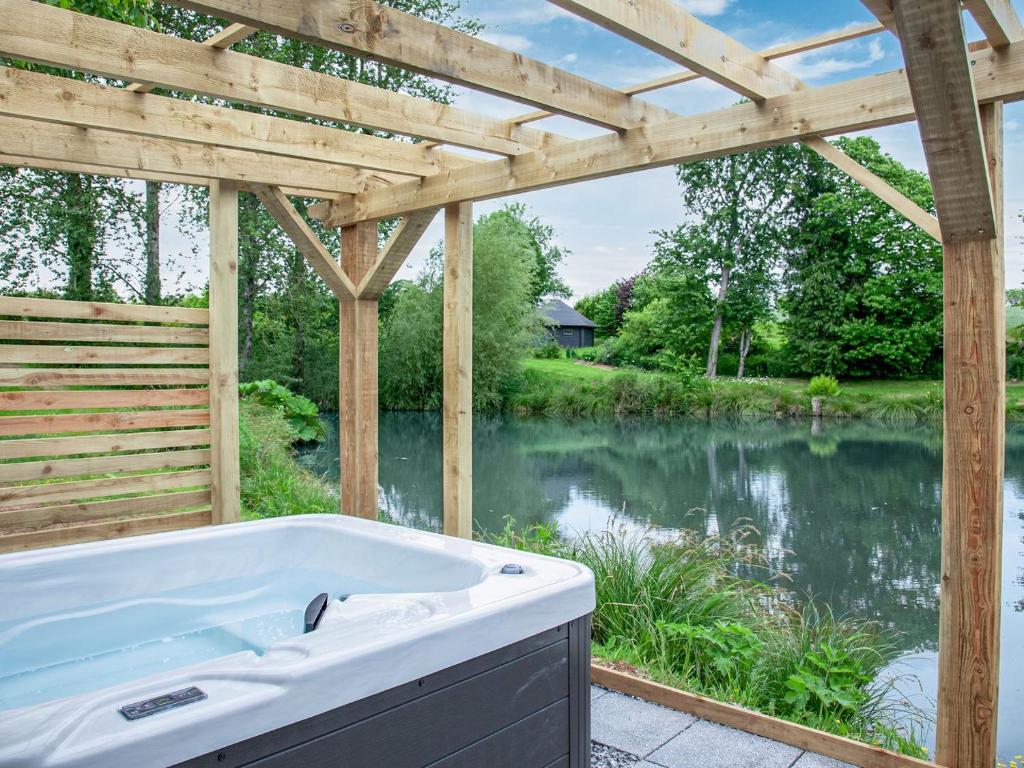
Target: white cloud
column 706, row 7
column 516, row 43
column 812, row 65
column 532, row 13
column 570, row 58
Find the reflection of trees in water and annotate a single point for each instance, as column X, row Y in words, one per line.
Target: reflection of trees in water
column 850, row 513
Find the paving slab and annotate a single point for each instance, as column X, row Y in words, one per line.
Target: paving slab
column 712, row 745
column 812, row 760
column 634, row 726
column 596, row 692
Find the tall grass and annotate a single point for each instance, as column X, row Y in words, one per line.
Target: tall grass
column 272, row 482
column 710, row 615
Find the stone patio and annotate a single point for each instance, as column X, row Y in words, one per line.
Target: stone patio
column 631, row 733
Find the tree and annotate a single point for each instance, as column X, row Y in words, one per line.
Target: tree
column 608, row 308
column 740, row 203
column 863, row 286
column 546, row 255
column 505, row 322
column 1015, row 297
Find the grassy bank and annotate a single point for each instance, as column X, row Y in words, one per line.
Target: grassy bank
column 702, row 614
column 273, row 484
column 570, row 388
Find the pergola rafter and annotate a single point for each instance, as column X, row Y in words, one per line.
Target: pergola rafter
column 953, row 90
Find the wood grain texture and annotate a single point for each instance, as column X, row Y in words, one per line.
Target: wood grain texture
column 666, row 28
column 34, row 400
column 853, row 105
column 749, row 721
column 79, row 490
column 76, row 534
column 102, row 422
column 74, row 446
column 942, row 88
column 86, row 512
column 24, row 471
column 38, row 96
column 45, row 330
column 102, row 377
column 974, row 437
column 59, row 354
column 371, row 30
column 225, row 38
column 309, row 245
column 16, row 306
column 357, row 368
column 457, row 407
column 998, row 20
column 224, row 451
column 394, row 253
column 64, row 143
column 47, row 35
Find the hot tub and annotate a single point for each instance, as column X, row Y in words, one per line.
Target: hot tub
column 425, row 654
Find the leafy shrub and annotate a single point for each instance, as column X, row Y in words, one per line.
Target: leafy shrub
column 589, row 354
column 300, row 412
column 549, row 350
column 823, row 386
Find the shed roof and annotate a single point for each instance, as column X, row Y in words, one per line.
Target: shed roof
column 557, row 312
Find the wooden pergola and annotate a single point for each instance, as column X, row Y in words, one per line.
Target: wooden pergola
column 954, row 89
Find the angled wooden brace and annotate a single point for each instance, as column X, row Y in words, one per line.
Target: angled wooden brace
column 408, row 232
column 876, row 185
column 305, row 240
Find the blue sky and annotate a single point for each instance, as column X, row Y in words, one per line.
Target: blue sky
column 607, row 224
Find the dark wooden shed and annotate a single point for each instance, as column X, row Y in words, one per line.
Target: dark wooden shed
column 567, row 326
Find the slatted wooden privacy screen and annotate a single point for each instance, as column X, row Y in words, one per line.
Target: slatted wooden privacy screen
column 104, row 421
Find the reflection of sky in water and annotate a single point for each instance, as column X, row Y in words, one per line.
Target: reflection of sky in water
column 850, row 514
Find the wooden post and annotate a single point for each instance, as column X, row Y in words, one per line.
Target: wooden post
column 458, row 370
column 224, row 467
column 972, row 483
column 357, row 404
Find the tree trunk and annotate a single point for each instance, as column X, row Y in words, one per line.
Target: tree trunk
column 152, row 289
column 81, row 237
column 745, row 339
column 716, row 328
column 248, row 263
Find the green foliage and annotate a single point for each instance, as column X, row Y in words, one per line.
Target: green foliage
column 549, row 350
column 300, row 412
column 505, row 322
column 607, row 309
column 272, row 483
column 1015, row 297
column 823, row 386
column 544, row 278
column 701, row 613
column 863, row 287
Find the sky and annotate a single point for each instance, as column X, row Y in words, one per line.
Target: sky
column 608, row 225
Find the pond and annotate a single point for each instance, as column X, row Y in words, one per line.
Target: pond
column 851, row 512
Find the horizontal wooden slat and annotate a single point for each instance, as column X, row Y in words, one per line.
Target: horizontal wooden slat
column 132, row 441
column 78, row 490
column 60, row 354
column 102, row 377
column 132, row 462
column 43, row 330
column 30, row 400
column 69, row 514
column 94, row 310
column 60, row 423
column 76, row 534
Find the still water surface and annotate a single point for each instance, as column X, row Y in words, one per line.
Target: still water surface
column 849, row 511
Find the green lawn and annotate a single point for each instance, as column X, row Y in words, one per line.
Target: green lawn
column 572, row 370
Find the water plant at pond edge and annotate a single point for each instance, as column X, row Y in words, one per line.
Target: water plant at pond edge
column 272, row 482
column 709, row 615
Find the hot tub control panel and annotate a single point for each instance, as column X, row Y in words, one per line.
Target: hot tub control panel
column 163, row 702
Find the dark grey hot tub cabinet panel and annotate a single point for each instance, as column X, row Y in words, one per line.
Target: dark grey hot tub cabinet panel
column 526, row 705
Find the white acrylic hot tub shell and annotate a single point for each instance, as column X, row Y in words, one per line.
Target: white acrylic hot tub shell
column 447, row 603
